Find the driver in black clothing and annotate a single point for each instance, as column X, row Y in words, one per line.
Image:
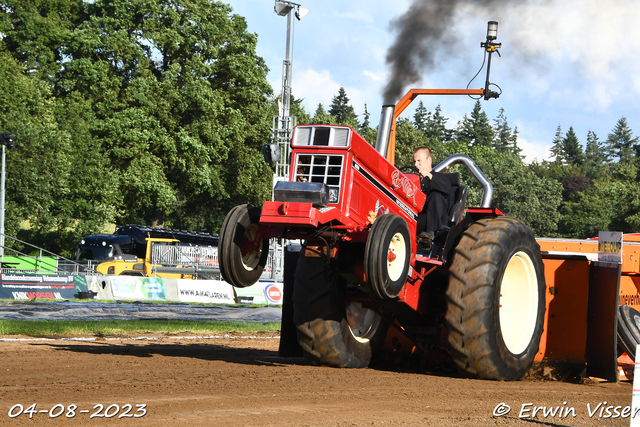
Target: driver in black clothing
column 433, row 216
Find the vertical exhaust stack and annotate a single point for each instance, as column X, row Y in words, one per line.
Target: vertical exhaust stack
column 384, row 129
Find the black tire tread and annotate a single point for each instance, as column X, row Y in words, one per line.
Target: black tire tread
column 319, row 316
column 222, row 244
column 471, row 295
column 230, row 259
column 628, row 333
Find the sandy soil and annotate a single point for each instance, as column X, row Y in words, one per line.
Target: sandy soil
column 241, row 381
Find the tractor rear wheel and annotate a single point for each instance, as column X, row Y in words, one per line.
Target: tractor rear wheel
column 331, row 330
column 241, row 258
column 628, row 329
column 386, row 256
column 496, row 299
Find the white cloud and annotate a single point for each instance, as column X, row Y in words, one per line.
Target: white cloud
column 586, row 48
column 372, row 76
column 534, row 150
column 567, row 62
column 316, row 87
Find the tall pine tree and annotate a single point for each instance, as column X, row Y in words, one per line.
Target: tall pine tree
column 506, row 140
column 621, row 144
column 322, row 117
column 436, row 127
column 557, row 149
column 573, row 149
column 421, row 117
column 594, row 156
column 343, row 112
column 476, row 130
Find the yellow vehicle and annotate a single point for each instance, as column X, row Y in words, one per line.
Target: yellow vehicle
column 166, row 258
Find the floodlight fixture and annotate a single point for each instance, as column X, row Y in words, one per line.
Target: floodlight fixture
column 283, row 9
column 301, row 12
column 7, row 140
column 492, row 30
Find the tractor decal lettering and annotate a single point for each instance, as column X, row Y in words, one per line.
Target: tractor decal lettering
column 401, row 181
column 385, row 190
column 378, row 210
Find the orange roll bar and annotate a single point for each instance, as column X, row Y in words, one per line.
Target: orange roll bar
column 408, row 99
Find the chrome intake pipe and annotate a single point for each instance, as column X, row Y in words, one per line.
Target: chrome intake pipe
column 384, row 129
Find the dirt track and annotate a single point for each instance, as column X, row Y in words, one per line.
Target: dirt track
column 242, row 381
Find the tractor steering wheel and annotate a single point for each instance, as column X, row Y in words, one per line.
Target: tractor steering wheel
column 408, row 169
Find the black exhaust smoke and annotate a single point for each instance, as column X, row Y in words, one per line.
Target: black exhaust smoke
column 421, row 30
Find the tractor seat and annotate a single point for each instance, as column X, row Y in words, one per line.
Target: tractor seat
column 457, row 198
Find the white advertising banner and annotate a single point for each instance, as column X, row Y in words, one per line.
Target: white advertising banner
column 130, row 287
column 263, row 292
column 205, row 291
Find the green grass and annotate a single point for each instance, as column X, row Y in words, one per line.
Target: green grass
column 119, row 327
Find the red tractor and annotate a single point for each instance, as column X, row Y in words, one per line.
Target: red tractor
column 361, row 269
column 478, row 299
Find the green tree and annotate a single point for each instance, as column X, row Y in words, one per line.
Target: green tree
column 436, row 130
column 623, row 195
column 621, row 144
column 476, row 129
column 573, row 152
column 182, row 105
column 366, row 131
column 343, row 112
column 520, row 193
column 589, row 213
column 322, row 117
column 505, row 138
column 57, row 180
column 557, row 149
column 35, row 32
column 594, row 157
column 610, row 204
column 421, row 117
column 408, row 138
column 144, row 111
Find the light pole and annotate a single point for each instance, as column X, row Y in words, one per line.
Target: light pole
column 283, row 124
column 278, row 151
column 284, row 8
column 6, row 140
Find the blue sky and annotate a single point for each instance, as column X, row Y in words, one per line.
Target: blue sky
column 568, row 63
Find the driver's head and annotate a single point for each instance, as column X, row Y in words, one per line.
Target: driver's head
column 422, row 160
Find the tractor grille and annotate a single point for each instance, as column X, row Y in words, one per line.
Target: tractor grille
column 325, row 168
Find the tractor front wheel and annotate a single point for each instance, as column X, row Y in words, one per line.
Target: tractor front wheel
column 241, row 254
column 496, row 299
column 332, row 331
column 386, row 256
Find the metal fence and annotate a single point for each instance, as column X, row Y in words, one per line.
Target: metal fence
column 45, row 262
column 187, row 256
column 203, row 260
